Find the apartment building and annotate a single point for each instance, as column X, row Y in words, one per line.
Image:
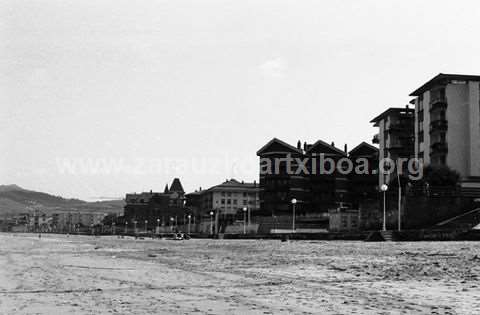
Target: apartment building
column 300, row 173
column 227, row 198
column 395, row 137
column 447, row 124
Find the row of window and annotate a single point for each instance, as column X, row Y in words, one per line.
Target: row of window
column 229, row 194
column 235, row 202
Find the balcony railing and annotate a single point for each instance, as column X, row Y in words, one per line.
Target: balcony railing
column 438, row 125
column 439, row 146
column 401, row 126
column 438, row 103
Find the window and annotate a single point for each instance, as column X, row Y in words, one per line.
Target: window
column 234, row 201
column 223, row 201
column 244, row 202
column 244, row 194
column 229, row 201
column 229, row 194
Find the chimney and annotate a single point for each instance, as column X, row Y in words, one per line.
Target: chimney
column 305, row 146
column 299, row 145
column 333, row 144
column 254, row 183
column 345, row 148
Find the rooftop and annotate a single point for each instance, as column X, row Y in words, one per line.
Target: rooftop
column 392, row 111
column 443, row 78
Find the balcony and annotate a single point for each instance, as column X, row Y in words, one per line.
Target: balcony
column 401, row 126
column 438, row 103
column 439, row 147
column 438, row 125
column 376, row 139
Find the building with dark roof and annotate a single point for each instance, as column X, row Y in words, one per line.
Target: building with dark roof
column 152, row 206
column 288, row 172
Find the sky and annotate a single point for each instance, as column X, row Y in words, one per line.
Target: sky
column 100, row 98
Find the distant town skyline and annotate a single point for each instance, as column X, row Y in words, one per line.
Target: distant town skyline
column 183, row 81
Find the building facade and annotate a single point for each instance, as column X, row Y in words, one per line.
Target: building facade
column 395, row 137
column 227, row 198
column 447, row 124
column 156, row 208
column 302, row 173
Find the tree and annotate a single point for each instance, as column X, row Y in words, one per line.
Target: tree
column 440, row 176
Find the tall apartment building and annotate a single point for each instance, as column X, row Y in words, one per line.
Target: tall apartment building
column 396, row 136
column 447, row 124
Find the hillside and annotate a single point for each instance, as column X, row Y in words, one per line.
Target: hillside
column 15, row 200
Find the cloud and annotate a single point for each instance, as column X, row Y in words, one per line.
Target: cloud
column 274, row 68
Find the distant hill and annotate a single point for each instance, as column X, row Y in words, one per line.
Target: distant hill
column 15, row 200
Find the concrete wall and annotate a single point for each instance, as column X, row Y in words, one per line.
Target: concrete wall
column 426, row 127
column 474, row 130
column 458, row 132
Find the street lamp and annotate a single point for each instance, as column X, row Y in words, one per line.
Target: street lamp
column 126, row 223
column 171, row 223
column 113, row 228
column 189, row 217
column 384, row 189
column 146, row 222
column 244, row 220
column 211, row 222
column 135, row 226
column 158, row 225
column 294, row 202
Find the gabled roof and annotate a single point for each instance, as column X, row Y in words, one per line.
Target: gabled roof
column 327, row 148
column 176, row 186
column 364, row 145
column 279, row 143
column 443, row 78
column 392, row 111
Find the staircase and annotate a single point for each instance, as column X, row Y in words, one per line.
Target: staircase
column 387, row 236
column 464, row 221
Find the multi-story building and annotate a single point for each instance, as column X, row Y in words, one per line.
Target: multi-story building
column 447, row 125
column 363, row 183
column 70, row 221
column 396, row 136
column 227, row 198
column 166, row 208
column 288, row 172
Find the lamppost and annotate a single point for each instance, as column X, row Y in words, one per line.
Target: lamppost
column 171, row 223
column 146, row 222
column 135, row 227
column 294, row 202
column 126, row 223
column 158, row 226
column 211, row 222
column 113, row 228
column 384, row 189
column 244, row 220
column 189, row 218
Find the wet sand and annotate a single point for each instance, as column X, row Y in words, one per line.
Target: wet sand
column 86, row 275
